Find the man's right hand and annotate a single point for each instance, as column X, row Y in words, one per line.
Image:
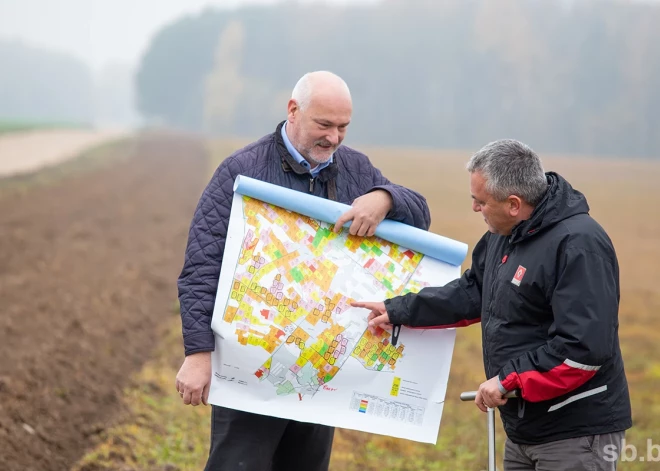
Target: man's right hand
column 194, row 379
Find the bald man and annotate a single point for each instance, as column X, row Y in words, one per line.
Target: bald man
column 305, row 153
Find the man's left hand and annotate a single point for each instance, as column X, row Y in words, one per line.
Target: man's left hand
column 489, row 395
column 366, row 213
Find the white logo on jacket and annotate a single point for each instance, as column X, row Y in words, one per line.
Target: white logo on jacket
column 517, row 278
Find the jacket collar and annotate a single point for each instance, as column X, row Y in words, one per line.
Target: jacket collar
column 561, row 201
column 289, row 163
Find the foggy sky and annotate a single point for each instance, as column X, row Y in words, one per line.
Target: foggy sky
column 102, row 32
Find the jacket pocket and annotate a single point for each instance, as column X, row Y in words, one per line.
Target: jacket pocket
column 521, row 408
column 591, row 442
column 577, row 397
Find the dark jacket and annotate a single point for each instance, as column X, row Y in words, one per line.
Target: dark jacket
column 349, row 176
column 548, row 299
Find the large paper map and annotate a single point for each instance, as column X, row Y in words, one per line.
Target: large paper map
column 289, row 344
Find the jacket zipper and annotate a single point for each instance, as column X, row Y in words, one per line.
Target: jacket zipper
column 490, row 304
column 311, row 185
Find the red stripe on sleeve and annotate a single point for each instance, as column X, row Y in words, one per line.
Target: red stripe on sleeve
column 536, row 386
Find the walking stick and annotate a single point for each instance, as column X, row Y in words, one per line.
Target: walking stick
column 470, row 396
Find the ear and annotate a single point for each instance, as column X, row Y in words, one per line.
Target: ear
column 515, row 203
column 292, row 110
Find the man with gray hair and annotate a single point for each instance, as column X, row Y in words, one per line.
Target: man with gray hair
column 544, row 283
column 305, row 153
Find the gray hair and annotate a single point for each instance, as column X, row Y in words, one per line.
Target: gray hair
column 510, row 168
column 303, row 90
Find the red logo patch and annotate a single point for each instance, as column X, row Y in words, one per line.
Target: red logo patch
column 517, row 278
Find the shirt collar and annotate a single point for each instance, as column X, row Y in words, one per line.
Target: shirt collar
column 299, row 158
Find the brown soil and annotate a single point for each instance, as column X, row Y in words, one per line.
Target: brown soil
column 88, row 269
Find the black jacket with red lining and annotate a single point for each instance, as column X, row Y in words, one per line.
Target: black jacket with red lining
column 548, row 299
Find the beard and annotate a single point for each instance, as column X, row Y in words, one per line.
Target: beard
column 320, row 152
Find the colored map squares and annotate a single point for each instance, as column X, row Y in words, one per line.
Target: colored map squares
column 388, row 263
column 282, row 299
column 375, row 352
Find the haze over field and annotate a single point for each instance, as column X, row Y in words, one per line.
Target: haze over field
column 567, row 76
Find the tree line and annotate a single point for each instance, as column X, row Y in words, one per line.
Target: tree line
column 565, row 76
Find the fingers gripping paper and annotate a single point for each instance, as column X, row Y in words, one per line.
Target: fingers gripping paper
column 288, row 342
